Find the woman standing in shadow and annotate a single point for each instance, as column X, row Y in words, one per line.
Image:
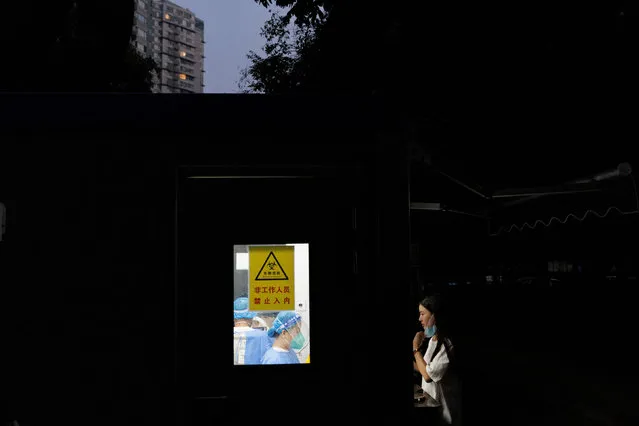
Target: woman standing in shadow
column 440, row 392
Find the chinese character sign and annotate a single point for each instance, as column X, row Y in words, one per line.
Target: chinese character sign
column 271, row 278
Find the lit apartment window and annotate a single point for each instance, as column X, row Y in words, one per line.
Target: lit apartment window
column 167, row 16
column 182, row 76
column 183, row 54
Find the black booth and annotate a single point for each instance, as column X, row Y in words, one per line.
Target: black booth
column 123, row 215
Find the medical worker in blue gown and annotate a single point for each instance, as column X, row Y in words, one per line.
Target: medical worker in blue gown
column 287, row 332
column 249, row 344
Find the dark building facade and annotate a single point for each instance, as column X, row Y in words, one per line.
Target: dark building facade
column 112, row 253
column 100, row 286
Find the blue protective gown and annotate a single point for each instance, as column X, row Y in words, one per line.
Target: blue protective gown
column 274, row 356
column 249, row 345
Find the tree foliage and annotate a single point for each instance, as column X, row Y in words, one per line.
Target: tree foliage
column 73, row 46
column 322, row 48
column 304, row 12
column 441, row 52
column 287, row 47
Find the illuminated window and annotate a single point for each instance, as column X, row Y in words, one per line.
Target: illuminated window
column 167, row 16
column 182, row 76
column 182, row 54
column 271, row 292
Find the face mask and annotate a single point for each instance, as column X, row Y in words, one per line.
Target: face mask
column 298, row 341
column 431, row 328
column 430, row 331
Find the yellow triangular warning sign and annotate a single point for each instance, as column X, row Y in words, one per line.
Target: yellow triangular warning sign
column 271, row 269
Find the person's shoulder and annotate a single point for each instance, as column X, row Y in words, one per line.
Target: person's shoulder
column 450, row 346
column 270, row 357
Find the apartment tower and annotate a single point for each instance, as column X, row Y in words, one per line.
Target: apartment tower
column 174, row 37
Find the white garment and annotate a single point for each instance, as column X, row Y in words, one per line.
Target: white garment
column 445, row 388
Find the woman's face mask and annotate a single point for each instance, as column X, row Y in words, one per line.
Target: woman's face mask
column 431, row 328
column 430, row 331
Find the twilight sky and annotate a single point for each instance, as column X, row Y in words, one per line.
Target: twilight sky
column 231, row 29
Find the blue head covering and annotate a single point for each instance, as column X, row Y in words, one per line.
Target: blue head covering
column 240, row 309
column 284, row 321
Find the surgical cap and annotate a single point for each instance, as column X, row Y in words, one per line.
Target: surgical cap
column 240, row 309
column 284, row 321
